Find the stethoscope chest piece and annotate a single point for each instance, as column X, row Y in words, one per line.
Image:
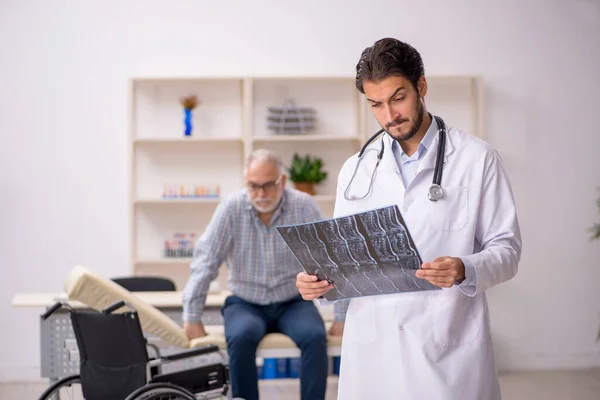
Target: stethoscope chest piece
column 435, row 192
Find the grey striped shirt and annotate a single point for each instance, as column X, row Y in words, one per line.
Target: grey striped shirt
column 262, row 269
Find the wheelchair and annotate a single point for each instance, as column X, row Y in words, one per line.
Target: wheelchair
column 115, row 365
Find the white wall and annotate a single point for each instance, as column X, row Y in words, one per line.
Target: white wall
column 64, row 69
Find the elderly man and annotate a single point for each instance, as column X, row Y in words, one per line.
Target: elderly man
column 262, row 278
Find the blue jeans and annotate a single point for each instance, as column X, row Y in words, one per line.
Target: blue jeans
column 247, row 323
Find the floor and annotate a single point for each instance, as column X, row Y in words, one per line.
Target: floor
column 551, row 385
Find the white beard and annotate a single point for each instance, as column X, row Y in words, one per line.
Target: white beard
column 268, row 209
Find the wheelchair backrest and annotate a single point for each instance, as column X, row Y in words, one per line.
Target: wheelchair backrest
column 112, row 351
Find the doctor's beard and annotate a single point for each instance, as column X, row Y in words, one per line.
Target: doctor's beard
column 268, row 205
column 414, row 128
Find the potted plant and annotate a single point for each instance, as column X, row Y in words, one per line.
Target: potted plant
column 306, row 172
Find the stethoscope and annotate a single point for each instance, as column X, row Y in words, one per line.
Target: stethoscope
column 435, row 190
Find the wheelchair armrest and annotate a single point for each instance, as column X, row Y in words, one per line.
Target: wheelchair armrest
column 155, row 348
column 211, row 348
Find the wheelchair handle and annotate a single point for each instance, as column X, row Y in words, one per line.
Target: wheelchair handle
column 51, row 310
column 113, row 307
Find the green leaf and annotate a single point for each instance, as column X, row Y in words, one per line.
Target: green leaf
column 306, row 169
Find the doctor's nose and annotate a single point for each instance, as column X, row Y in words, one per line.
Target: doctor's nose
column 392, row 120
column 390, row 116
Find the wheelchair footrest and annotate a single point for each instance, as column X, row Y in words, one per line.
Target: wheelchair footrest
column 197, row 380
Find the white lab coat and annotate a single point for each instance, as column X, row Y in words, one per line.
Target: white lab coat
column 432, row 345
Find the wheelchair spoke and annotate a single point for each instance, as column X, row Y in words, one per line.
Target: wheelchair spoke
column 65, row 389
column 160, row 391
column 71, row 392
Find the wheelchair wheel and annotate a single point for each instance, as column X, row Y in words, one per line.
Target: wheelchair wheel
column 68, row 388
column 161, row 391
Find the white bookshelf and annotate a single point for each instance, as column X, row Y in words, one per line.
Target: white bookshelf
column 228, row 124
column 304, row 138
column 186, row 141
column 176, row 202
column 165, row 262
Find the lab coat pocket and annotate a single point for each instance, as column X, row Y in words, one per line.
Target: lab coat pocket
column 360, row 326
column 451, row 213
column 454, row 322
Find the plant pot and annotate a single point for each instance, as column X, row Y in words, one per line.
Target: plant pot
column 306, row 187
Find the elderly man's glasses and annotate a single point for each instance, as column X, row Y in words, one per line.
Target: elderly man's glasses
column 267, row 186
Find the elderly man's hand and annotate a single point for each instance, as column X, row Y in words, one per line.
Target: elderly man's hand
column 336, row 329
column 310, row 288
column 194, row 330
column 443, row 271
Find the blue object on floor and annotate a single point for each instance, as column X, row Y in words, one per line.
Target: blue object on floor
column 282, row 369
column 336, row 365
column 260, row 370
column 270, row 368
column 294, row 367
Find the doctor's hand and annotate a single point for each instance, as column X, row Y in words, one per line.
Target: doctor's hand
column 194, row 330
column 336, row 329
column 310, row 288
column 443, row 271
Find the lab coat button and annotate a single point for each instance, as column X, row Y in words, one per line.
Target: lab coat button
column 405, row 208
column 401, row 328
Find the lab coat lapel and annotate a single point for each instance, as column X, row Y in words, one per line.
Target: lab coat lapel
column 428, row 161
column 389, row 180
column 388, row 162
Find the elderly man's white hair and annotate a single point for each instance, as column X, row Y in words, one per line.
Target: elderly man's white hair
column 265, row 155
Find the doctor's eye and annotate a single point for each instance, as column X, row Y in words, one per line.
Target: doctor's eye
column 399, row 98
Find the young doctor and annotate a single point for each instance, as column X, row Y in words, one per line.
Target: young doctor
column 457, row 202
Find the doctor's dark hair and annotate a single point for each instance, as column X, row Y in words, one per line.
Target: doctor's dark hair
column 389, row 57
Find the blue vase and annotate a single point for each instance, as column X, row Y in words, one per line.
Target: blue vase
column 188, row 122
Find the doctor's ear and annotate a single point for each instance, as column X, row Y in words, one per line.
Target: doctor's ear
column 422, row 87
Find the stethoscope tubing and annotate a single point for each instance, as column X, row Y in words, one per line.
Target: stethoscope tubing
column 435, row 190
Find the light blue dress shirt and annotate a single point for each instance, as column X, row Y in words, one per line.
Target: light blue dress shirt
column 409, row 165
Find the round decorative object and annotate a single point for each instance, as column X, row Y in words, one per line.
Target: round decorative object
column 435, row 192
